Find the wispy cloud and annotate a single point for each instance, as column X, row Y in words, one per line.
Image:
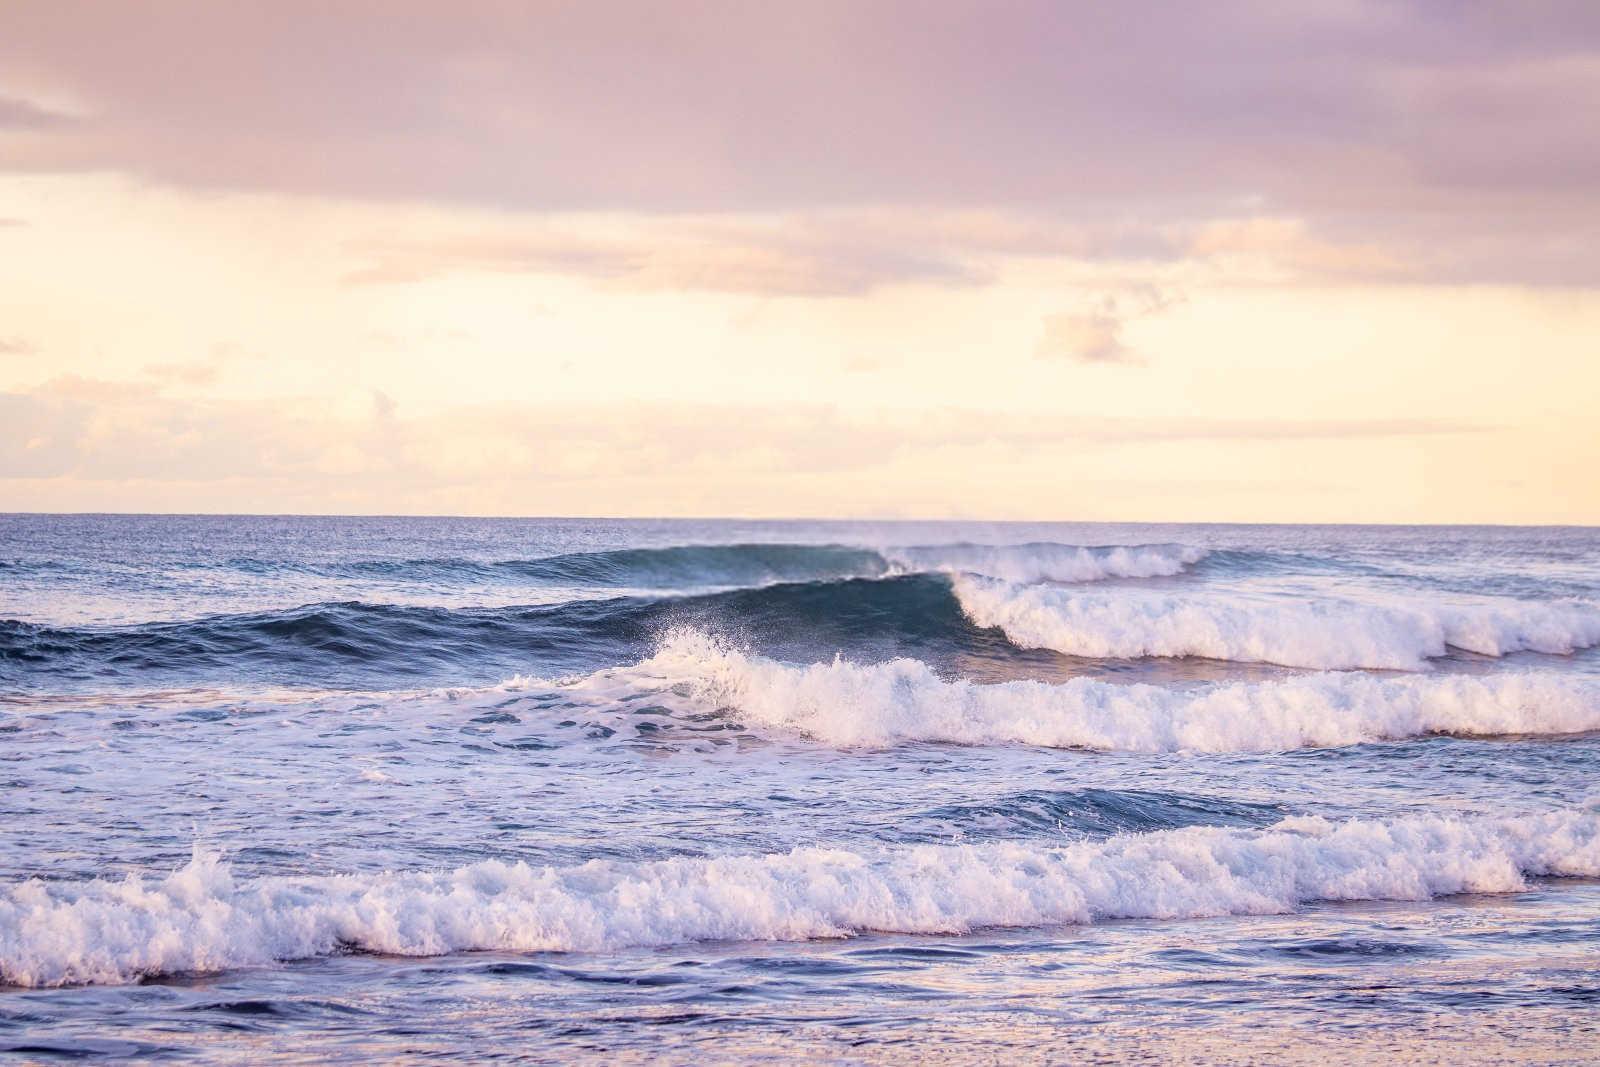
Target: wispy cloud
column 105, row 429
column 752, row 262
column 818, row 253
column 18, row 113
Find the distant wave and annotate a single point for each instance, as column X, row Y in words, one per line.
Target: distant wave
column 1326, row 634
column 204, row 919
column 877, row 705
column 685, row 567
column 691, row 567
column 701, row 567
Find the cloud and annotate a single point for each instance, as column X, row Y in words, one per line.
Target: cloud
column 91, row 444
column 813, row 254
column 825, row 253
column 206, row 371
column 384, row 406
column 18, row 113
column 1285, row 248
column 106, row 430
column 14, row 346
column 1450, row 139
column 1095, row 335
column 1092, row 338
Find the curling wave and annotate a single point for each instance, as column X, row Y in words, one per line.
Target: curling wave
column 935, row 617
column 1326, row 634
column 372, row 644
column 699, row 566
column 879, row 705
column 702, row 567
column 796, row 598
column 202, row 919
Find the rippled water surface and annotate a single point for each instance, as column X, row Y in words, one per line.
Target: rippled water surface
column 319, row 789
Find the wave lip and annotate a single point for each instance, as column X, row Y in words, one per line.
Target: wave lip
column 878, row 705
column 756, row 564
column 1048, row 561
column 203, row 919
column 692, row 566
column 1329, row 635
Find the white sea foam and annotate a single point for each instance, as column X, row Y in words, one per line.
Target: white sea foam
column 202, row 918
column 847, row 704
column 1047, row 561
column 1324, row 633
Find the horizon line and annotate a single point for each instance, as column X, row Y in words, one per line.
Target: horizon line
column 782, row 519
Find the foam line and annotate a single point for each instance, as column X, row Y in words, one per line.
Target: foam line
column 203, row 918
column 847, row 704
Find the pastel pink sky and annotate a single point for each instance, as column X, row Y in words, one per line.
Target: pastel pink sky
column 1322, row 261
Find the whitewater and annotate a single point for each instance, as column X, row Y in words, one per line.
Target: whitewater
column 671, row 790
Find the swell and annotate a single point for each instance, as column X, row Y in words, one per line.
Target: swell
column 372, row 644
column 1086, row 812
column 883, row 704
column 204, row 919
column 670, row 567
column 325, row 643
column 934, row 617
column 692, row 567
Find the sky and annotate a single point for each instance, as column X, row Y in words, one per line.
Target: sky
column 1330, row 261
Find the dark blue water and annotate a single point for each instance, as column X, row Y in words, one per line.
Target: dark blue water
column 320, row 789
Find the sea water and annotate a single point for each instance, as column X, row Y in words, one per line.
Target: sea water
column 321, row 789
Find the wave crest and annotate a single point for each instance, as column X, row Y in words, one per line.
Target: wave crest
column 878, row 705
column 1327, row 634
column 203, row 919
column 1047, row 561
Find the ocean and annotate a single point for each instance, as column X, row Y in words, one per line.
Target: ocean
column 287, row 789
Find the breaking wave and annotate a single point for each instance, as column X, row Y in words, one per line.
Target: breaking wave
column 204, row 919
column 931, row 617
column 355, row 644
column 609, row 607
column 701, row 567
column 878, row 705
column 1325, row 634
